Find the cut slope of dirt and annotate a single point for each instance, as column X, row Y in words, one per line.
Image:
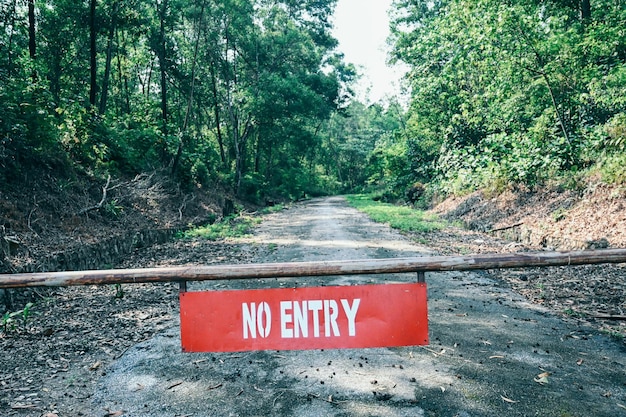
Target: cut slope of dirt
column 558, row 219
column 548, row 220
column 44, row 215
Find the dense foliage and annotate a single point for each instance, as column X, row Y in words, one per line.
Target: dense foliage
column 218, row 92
column 512, row 92
column 251, row 95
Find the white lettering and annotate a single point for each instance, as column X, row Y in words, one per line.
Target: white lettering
column 351, row 314
column 264, row 310
column 301, row 319
column 284, row 319
column 315, row 306
column 295, row 316
column 330, row 318
column 249, row 322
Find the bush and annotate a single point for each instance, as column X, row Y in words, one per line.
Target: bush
column 200, row 173
column 415, row 192
column 616, row 132
column 28, row 134
column 252, row 187
column 613, row 169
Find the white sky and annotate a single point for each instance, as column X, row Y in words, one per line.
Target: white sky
column 362, row 27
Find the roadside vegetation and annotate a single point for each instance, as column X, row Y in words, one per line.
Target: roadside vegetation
column 233, row 226
column 404, row 218
column 230, row 227
column 217, row 95
column 253, row 98
column 510, row 94
column 503, row 96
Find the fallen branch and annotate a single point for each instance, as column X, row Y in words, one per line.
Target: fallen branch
column 499, row 229
column 98, row 206
column 175, row 384
column 608, row 317
column 30, row 215
column 183, row 206
column 19, row 406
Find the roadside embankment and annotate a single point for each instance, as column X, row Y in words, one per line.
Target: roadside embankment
column 557, row 219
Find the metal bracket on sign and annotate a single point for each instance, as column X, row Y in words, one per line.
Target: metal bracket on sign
column 421, row 276
column 182, row 286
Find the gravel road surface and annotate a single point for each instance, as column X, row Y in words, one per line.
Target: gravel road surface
column 491, row 352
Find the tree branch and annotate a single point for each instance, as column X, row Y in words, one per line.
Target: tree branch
column 105, row 189
column 499, row 229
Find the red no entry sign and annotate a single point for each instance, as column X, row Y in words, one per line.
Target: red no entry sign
column 304, row 318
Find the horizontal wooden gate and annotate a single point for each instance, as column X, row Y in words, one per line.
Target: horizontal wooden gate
column 308, row 269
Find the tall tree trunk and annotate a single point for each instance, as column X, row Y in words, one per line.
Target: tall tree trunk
column 240, row 139
column 149, row 81
column 239, row 129
column 555, row 105
column 585, row 11
column 32, row 44
column 541, row 62
column 216, row 113
column 163, row 66
column 270, row 161
column 234, row 122
column 122, row 75
column 257, row 153
column 93, row 87
column 183, row 132
column 55, row 77
column 109, row 56
column 11, row 32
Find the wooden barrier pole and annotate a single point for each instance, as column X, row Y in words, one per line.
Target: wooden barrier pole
column 309, row 269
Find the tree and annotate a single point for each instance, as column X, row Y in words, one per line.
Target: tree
column 109, row 57
column 93, row 61
column 232, row 92
column 32, row 43
column 507, row 91
column 162, row 7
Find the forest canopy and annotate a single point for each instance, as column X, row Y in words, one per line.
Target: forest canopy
column 228, row 92
column 252, row 96
column 513, row 92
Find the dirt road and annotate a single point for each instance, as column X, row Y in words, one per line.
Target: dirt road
column 491, row 352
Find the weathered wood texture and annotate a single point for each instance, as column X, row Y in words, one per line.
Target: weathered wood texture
column 304, row 269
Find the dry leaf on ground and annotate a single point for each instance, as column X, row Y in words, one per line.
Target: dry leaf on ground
column 508, row 400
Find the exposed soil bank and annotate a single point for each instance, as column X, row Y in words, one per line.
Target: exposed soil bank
column 558, row 219
column 51, row 224
column 550, row 220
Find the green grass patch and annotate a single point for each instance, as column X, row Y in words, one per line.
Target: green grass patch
column 10, row 320
column 403, row 218
column 235, row 226
column 573, row 313
column 273, row 209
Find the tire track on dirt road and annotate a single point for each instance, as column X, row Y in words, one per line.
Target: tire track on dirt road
column 491, row 353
